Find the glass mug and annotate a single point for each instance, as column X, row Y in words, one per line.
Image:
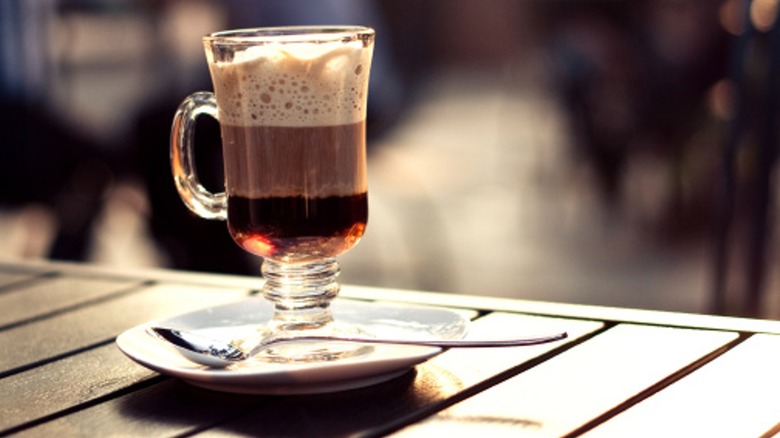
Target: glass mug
column 291, row 104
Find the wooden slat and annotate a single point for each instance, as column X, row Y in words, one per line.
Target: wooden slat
column 577, row 386
column 166, row 409
column 74, row 269
column 566, row 310
column 57, row 386
column 734, row 395
column 86, row 326
column 159, row 411
column 26, row 267
column 51, row 294
column 8, row 279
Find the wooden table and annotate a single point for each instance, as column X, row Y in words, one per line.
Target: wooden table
column 621, row 373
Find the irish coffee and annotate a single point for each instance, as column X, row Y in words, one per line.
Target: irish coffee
column 293, row 135
column 291, row 105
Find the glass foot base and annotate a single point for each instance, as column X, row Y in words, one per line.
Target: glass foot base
column 301, row 293
column 309, row 351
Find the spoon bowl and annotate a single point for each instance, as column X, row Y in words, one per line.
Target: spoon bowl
column 218, row 353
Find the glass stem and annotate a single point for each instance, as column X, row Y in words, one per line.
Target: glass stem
column 301, row 292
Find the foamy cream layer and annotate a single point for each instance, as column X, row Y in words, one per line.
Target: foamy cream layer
column 294, row 84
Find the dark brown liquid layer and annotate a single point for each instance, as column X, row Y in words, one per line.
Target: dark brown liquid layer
column 298, row 228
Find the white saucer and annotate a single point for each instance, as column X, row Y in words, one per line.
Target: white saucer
column 383, row 363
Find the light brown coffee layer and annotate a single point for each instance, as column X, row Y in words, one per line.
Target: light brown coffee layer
column 322, row 161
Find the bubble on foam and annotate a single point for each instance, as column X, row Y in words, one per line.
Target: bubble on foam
column 297, row 84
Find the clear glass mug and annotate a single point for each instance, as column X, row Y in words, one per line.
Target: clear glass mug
column 291, row 104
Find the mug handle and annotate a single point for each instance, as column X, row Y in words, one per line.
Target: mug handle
column 196, row 197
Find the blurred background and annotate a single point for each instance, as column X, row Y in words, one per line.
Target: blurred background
column 606, row 152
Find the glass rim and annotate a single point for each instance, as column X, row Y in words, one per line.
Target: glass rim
column 290, row 34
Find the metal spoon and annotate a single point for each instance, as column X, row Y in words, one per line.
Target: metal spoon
column 218, row 353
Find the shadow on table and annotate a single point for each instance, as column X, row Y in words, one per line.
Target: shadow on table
column 180, row 406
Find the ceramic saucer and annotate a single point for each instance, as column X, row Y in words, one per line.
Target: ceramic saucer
column 383, row 363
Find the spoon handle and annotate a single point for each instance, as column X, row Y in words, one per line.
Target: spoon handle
column 461, row 343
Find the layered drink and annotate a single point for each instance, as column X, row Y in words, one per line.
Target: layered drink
column 293, row 131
